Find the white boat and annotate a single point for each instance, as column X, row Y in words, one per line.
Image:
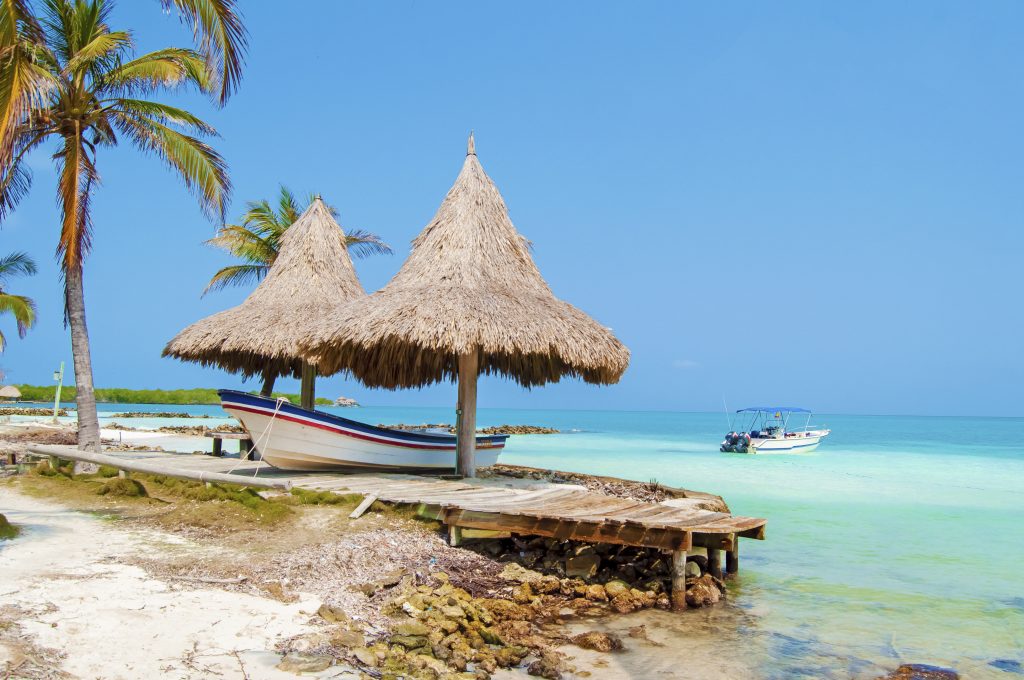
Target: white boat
column 769, row 432
column 294, row 438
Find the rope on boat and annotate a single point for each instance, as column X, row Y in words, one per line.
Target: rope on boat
column 264, row 436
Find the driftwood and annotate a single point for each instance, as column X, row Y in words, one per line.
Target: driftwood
column 363, row 507
column 71, row 453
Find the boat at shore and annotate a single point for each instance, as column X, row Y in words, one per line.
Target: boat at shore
column 769, row 432
column 294, row 438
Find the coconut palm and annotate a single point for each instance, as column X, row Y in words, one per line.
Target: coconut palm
column 257, row 241
column 91, row 95
column 215, row 24
column 22, row 308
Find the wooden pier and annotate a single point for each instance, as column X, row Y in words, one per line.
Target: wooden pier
column 522, row 507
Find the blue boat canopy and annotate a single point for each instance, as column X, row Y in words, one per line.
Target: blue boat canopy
column 773, row 409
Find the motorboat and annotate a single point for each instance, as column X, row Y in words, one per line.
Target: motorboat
column 769, row 432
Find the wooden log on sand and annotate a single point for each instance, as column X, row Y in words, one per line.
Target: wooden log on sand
column 71, row 453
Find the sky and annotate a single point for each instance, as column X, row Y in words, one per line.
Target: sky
column 818, row 204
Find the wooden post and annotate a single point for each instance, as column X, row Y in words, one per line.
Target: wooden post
column 308, row 390
column 218, row 446
column 245, row 449
column 123, row 474
column 679, row 580
column 732, row 557
column 469, row 371
column 715, row 562
column 454, row 535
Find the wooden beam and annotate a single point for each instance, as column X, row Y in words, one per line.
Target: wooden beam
column 363, row 507
column 454, row 535
column 71, row 453
column 720, row 541
column 469, row 372
column 679, row 580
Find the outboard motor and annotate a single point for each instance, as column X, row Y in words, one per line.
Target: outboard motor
column 729, row 445
column 744, row 442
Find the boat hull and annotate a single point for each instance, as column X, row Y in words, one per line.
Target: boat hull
column 292, row 438
column 800, row 443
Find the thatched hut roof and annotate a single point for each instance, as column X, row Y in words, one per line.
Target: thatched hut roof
column 312, row 272
column 470, row 285
column 10, row 392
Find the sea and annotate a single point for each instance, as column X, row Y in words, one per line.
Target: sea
column 900, row 540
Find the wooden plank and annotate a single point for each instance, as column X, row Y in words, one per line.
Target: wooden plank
column 679, row 580
column 362, row 507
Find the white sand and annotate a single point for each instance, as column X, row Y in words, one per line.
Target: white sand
column 114, row 621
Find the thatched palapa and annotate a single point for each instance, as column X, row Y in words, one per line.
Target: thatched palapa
column 312, row 272
column 469, row 299
column 10, row 392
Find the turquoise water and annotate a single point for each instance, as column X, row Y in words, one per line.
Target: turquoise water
column 899, row 540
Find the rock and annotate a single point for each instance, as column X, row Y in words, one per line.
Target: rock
column 700, row 561
column 703, row 592
column 522, row 593
column 921, row 671
column 596, row 593
column 309, row 642
column 453, row 611
column 392, row 578
column 623, row 603
column 693, row 569
column 347, row 637
column 599, row 642
column 585, row 549
column 582, row 566
column 304, row 663
column 515, row 572
column 616, row 587
column 412, row 611
column 365, row 656
column 548, row 584
column 412, row 628
column 548, row 666
column 410, row 641
column 331, row 613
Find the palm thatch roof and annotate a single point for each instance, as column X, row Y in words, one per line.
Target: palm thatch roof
column 10, row 392
column 312, row 272
column 470, row 285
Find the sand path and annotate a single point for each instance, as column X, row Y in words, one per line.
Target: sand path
column 63, row 583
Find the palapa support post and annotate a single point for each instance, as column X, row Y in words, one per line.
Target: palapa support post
column 218, row 447
column 715, row 562
column 732, row 557
column 246, row 450
column 307, row 394
column 678, row 580
column 469, row 372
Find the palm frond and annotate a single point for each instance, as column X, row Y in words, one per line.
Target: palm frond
column 16, row 264
column 163, row 113
column 236, row 275
column 102, row 48
column 362, row 243
column 201, row 168
column 221, row 38
column 165, row 68
column 22, row 308
column 77, row 175
column 23, row 83
column 243, row 243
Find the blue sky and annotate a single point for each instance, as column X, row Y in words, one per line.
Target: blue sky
column 805, row 202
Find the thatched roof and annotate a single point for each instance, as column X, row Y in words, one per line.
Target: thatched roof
column 10, row 392
column 470, row 284
column 313, row 272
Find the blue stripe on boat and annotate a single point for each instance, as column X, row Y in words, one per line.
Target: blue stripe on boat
column 252, row 400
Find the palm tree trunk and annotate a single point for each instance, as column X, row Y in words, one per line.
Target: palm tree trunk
column 268, row 383
column 88, row 423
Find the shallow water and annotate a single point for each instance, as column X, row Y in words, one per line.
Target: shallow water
column 898, row 541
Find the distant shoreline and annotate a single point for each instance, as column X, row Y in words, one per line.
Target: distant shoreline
column 197, row 396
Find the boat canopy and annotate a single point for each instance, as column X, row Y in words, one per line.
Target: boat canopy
column 773, row 409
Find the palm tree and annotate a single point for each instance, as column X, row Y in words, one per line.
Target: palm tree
column 215, row 24
column 257, row 240
column 90, row 91
column 23, row 308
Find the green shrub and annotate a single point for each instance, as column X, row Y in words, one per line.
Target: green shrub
column 307, row 497
column 107, row 471
column 7, row 530
column 122, row 486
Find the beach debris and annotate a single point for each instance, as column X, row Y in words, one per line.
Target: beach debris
column 388, row 580
column 122, row 486
column 599, row 642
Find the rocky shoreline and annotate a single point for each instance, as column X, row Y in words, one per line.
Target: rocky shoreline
column 30, row 411
column 495, row 429
column 157, row 414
